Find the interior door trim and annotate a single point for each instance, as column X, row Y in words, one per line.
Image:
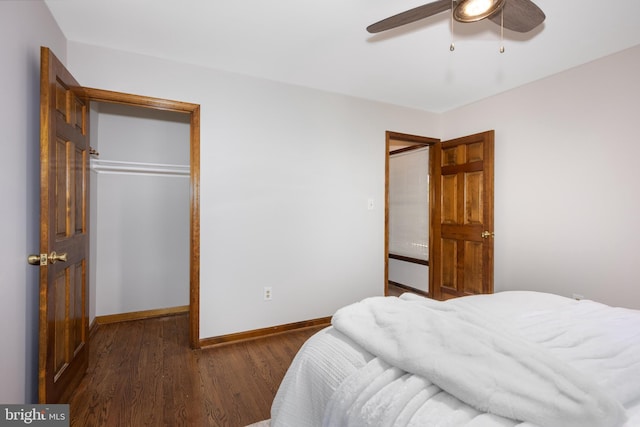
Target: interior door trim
column 100, row 95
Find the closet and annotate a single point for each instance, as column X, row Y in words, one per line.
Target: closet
column 140, row 198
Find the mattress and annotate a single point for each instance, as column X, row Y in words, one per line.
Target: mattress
column 574, row 363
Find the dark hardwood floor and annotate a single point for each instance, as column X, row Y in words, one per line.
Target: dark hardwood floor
column 143, row 373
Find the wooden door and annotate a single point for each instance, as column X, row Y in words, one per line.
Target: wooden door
column 64, row 238
column 462, row 217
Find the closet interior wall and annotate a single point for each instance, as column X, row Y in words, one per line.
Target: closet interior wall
column 139, row 210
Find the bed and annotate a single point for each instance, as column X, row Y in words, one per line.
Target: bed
column 509, row 359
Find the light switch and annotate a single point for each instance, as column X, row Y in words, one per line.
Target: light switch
column 370, row 204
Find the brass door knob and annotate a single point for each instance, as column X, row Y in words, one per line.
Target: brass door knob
column 44, row 259
column 54, row 257
column 37, row 259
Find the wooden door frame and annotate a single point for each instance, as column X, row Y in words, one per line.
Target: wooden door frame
column 100, row 95
column 411, row 140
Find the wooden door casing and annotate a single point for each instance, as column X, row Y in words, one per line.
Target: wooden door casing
column 402, row 139
column 64, row 186
column 462, row 221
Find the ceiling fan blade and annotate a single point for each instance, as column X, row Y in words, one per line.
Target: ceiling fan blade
column 410, row 16
column 520, row 15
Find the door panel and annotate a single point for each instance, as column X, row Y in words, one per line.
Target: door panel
column 473, row 212
column 448, row 253
column 462, row 217
column 473, row 271
column 449, row 199
column 64, row 299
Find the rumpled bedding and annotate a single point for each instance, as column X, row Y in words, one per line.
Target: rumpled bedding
column 515, row 358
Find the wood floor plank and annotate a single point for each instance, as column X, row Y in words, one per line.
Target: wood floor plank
column 143, row 373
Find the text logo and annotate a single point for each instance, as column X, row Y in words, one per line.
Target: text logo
column 34, row 415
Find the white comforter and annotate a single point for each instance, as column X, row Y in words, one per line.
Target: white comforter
column 538, row 359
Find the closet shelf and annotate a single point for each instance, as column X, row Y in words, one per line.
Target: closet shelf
column 121, row 167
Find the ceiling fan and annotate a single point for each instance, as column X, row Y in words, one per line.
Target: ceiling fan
column 517, row 15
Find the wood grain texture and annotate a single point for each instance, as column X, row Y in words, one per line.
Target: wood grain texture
column 520, row 15
column 259, row 333
column 64, row 183
column 143, row 373
column 463, row 176
column 409, row 16
column 139, row 315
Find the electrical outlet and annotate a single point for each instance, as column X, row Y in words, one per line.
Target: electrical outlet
column 267, row 293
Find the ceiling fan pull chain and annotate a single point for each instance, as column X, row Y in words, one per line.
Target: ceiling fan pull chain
column 502, row 30
column 452, row 47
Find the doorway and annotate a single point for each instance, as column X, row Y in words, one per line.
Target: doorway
column 139, row 213
column 192, row 112
column 407, row 257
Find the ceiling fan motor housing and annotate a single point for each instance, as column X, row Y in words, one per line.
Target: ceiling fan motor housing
column 476, row 10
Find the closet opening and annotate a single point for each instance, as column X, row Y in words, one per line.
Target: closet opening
column 144, row 209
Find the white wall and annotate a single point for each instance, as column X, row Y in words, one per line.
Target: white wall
column 24, row 27
column 409, row 274
column 141, row 214
column 566, row 180
column 286, row 173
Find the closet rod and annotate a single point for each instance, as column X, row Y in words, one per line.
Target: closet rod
column 114, row 166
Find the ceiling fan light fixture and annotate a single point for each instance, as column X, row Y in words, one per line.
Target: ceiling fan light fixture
column 475, row 10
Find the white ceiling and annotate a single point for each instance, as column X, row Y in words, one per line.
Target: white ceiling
column 323, row 44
